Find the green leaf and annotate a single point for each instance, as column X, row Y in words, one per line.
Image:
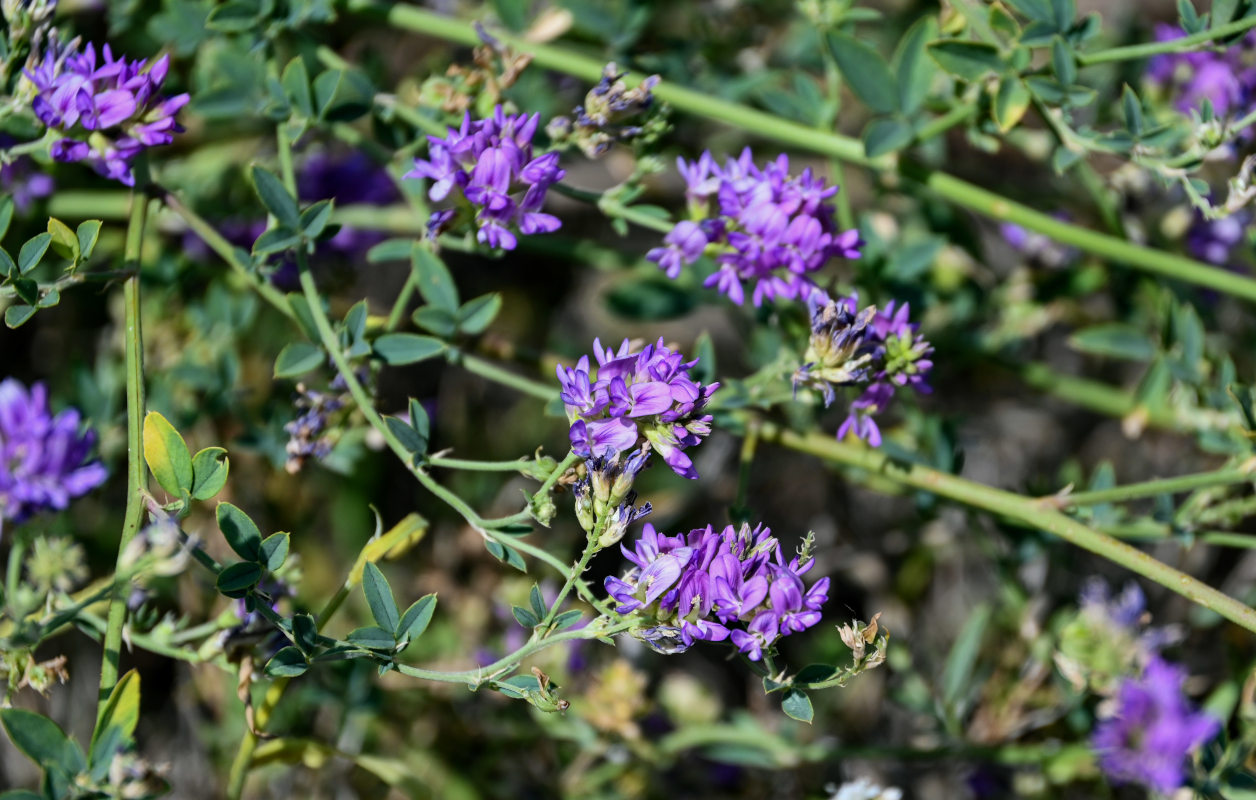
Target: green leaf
column 1132, row 108
column 1063, row 61
column 276, row 198
column 373, row 638
column 1010, row 103
column 15, row 316
column 276, row 240
column 32, row 252
column 88, row 232
column 7, row 267
column 64, row 242
column 27, row 290
column 566, row 619
column 6, row 214
column 209, row 472
column 289, row 662
column 167, row 455
column 407, row 435
column 1003, row 23
column 355, row 320
column 970, row 61
column 815, row 673
column 390, row 250
column 397, row 349
column 957, row 672
column 342, row 96
column 439, row 321
column 237, row 579
column 121, row 711
column 275, row 551
column 238, row 16
column 296, row 84
column 314, row 218
column 42, row 740
column 886, row 135
column 419, row 420
column 476, row 315
column 1114, row 340
column 537, row 602
column 524, row 617
column 866, row 72
column 415, row 621
column 305, row 632
column 49, row 299
column 433, row 279
column 379, row 597
column 298, row 358
column 797, row 705
column 1037, row 10
column 913, row 71
column 1063, row 12
column 240, row 531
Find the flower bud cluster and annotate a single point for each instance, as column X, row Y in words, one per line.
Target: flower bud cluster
column 605, row 500
column 711, row 586
column 772, row 230
column 605, row 117
column 500, row 184
column 106, row 112
column 312, row 434
column 878, row 349
column 636, row 401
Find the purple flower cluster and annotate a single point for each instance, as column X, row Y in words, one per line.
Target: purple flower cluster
column 878, row 349
column 605, row 117
column 632, row 398
column 1226, row 79
column 490, row 162
column 1148, row 739
column 770, row 229
column 108, row 111
column 1218, row 241
column 43, row 458
column 711, row 586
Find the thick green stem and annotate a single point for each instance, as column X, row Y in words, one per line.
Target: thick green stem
column 487, row 369
column 135, row 469
column 1133, row 491
column 469, row 465
column 835, row 145
column 1182, row 45
column 1021, row 509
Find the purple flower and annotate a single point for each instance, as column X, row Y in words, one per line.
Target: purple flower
column 22, row 180
column 107, row 112
column 715, row 586
column 771, row 230
column 878, row 349
column 1218, row 241
column 1154, row 729
column 605, row 117
column 1226, row 79
column 490, row 162
column 635, row 399
column 43, row 458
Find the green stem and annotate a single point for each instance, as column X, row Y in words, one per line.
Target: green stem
column 577, row 571
column 227, row 252
column 135, row 472
column 487, row 369
column 944, row 123
column 478, row 466
column 1182, row 45
column 402, row 301
column 1149, row 531
column 476, row 677
column 1021, row 509
column 851, row 150
column 1132, row 491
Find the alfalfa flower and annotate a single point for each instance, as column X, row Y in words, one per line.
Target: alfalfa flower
column 44, row 458
column 709, row 585
column 1153, row 730
column 634, row 399
column 500, row 186
column 877, row 350
column 107, row 111
column 769, row 230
